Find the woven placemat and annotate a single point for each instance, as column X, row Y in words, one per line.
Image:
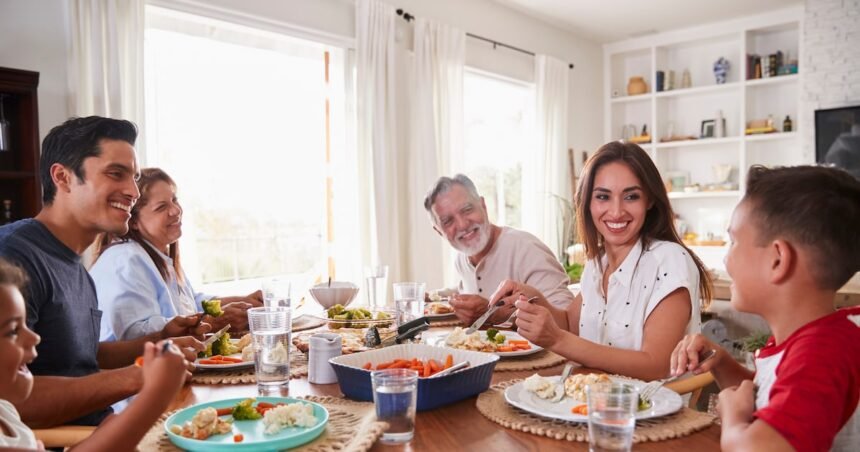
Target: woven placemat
column 298, row 369
column 352, row 426
column 493, row 406
column 539, row 360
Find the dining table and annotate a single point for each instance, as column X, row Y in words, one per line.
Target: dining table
column 458, row 426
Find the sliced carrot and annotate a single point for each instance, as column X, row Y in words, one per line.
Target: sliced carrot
column 209, row 361
column 138, row 361
column 224, row 411
column 216, row 357
column 518, row 342
column 427, row 369
column 449, row 361
column 434, row 366
column 367, row 366
column 384, row 365
column 504, row 348
column 265, row 405
column 523, row 347
column 580, row 409
column 230, row 359
column 238, row 438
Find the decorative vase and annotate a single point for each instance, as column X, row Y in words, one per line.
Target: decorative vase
column 636, row 85
column 721, row 70
column 686, row 80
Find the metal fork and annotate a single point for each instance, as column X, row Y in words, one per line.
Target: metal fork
column 651, row 388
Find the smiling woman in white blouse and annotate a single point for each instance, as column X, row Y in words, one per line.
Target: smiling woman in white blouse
column 139, row 280
column 641, row 287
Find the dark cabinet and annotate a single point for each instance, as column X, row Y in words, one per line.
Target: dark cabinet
column 19, row 160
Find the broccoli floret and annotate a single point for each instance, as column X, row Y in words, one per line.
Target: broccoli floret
column 491, row 333
column 335, row 310
column 243, row 411
column 212, row 307
column 499, row 339
column 644, row 404
column 205, row 353
column 223, row 346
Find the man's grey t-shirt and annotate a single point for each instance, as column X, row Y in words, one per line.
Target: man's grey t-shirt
column 61, row 303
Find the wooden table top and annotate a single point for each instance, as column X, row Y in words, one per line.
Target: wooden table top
column 459, row 426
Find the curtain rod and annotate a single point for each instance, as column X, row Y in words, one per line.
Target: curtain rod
column 409, row 18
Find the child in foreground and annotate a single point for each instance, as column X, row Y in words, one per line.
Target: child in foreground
column 794, row 243
column 164, row 369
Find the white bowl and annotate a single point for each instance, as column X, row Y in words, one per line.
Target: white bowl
column 340, row 292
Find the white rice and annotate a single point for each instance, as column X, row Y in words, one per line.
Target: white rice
column 289, row 415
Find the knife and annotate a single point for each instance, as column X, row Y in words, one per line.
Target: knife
column 211, row 340
column 478, row 323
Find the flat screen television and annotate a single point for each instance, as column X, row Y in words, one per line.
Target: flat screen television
column 837, row 138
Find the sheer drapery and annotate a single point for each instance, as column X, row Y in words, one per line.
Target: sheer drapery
column 436, row 138
column 545, row 180
column 106, row 60
column 383, row 215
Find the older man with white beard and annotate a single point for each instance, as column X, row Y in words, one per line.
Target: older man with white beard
column 489, row 254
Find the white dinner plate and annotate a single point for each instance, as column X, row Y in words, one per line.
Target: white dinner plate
column 438, row 340
column 663, row 402
column 225, row 366
column 436, row 316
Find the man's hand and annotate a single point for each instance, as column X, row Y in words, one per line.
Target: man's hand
column 536, row 324
column 188, row 325
column 737, row 403
column 685, row 357
column 469, row 307
column 255, row 299
column 188, row 347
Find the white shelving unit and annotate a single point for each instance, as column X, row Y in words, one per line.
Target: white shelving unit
column 682, row 111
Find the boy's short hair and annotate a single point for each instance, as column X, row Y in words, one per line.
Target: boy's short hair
column 814, row 206
column 73, row 141
column 12, row 274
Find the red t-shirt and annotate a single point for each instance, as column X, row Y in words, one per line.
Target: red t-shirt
column 808, row 387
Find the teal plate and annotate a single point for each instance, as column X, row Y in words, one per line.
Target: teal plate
column 255, row 439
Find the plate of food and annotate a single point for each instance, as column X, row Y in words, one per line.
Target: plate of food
column 227, row 353
column 506, row 344
column 264, row 423
column 353, row 340
column 438, row 309
column 534, row 395
column 340, row 317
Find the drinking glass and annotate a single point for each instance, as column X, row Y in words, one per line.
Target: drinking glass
column 376, row 277
column 611, row 416
column 408, row 301
column 270, row 330
column 395, row 393
column 276, row 293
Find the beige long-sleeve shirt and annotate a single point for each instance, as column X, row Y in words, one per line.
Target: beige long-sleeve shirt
column 519, row 256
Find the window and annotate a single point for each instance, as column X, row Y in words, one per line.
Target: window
column 238, row 116
column 498, row 117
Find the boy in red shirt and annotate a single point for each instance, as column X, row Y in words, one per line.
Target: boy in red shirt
column 794, row 243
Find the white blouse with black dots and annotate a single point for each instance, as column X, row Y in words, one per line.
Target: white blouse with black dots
column 642, row 281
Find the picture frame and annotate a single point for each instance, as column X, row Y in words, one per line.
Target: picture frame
column 708, row 127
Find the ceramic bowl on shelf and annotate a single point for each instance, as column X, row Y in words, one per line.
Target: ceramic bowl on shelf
column 338, row 292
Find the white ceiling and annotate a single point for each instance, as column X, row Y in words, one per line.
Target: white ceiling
column 605, row 21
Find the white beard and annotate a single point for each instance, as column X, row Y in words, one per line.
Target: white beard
column 484, row 233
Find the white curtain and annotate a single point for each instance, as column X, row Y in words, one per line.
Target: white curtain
column 546, row 174
column 383, row 216
column 436, row 132
column 106, row 60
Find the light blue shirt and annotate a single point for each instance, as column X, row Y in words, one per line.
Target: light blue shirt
column 135, row 299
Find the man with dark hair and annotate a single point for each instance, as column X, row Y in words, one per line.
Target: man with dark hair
column 794, row 243
column 88, row 171
column 489, row 254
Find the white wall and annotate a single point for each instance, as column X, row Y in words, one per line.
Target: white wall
column 830, row 67
column 33, row 37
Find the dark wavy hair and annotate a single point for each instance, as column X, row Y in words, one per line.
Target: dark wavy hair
column 659, row 221
column 73, row 141
column 148, row 177
column 12, row 274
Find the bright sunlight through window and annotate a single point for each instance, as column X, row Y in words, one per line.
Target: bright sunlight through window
column 498, row 116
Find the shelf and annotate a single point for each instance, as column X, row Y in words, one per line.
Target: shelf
column 704, row 194
column 702, row 142
column 771, row 136
column 626, row 99
column 773, row 80
column 699, row 90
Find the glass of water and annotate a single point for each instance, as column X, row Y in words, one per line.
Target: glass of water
column 611, row 416
column 395, row 394
column 408, row 301
column 376, row 277
column 276, row 293
column 270, row 331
